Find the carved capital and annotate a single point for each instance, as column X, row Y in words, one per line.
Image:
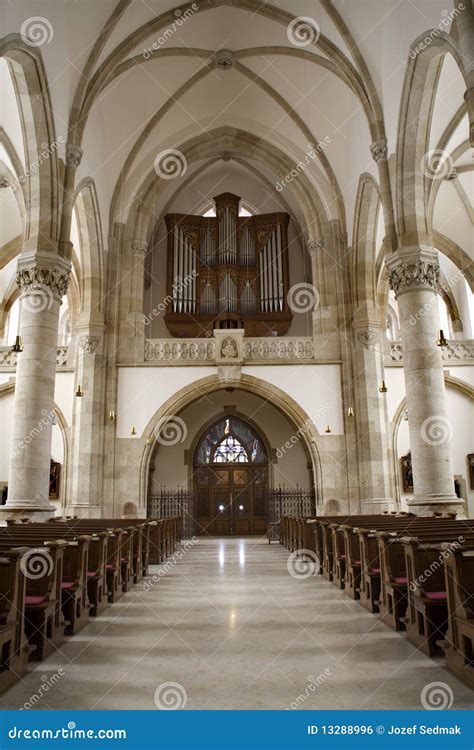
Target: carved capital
column 139, row 247
column 379, row 150
column 369, row 336
column 409, row 270
column 4, row 183
column 73, row 155
column 42, row 284
column 88, row 344
column 316, row 246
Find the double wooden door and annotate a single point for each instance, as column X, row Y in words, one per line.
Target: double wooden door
column 231, row 500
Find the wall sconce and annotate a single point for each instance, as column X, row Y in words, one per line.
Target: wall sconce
column 18, row 345
column 111, row 416
column 133, row 431
column 441, row 340
column 328, row 429
column 383, row 388
column 79, row 392
column 350, row 412
column 405, row 415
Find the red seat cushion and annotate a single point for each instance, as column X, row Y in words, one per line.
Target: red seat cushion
column 33, row 600
column 109, row 567
column 437, row 595
column 375, row 571
column 67, row 585
column 91, row 573
column 356, row 562
column 341, row 557
column 400, row 579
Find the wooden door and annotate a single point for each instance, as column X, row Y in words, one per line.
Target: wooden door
column 231, row 500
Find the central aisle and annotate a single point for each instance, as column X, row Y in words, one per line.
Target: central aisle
column 231, row 628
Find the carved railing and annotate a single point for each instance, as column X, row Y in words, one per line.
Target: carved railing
column 180, row 350
column 203, row 351
column 457, row 352
column 8, row 358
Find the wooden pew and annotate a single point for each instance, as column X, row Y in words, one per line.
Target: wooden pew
column 44, row 622
column 14, row 644
column 426, row 617
column 74, row 599
column 458, row 644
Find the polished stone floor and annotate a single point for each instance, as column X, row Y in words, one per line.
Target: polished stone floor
column 227, row 626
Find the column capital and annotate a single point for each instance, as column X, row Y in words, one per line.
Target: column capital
column 43, row 276
column 139, row 247
column 316, row 246
column 412, row 269
column 73, row 155
column 379, row 150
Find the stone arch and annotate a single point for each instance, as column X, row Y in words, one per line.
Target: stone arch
column 416, row 110
column 90, row 272
column 42, row 168
column 366, row 215
column 294, row 413
column 234, row 142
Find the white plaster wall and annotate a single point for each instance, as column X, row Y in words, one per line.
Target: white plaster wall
column 316, row 388
column 143, row 390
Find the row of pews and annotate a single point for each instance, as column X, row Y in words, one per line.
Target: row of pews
column 415, row 572
column 55, row 575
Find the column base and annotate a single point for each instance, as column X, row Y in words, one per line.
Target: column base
column 18, row 510
column 423, row 504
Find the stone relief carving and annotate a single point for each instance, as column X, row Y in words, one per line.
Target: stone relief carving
column 379, row 150
column 229, row 348
column 73, row 155
column 88, row 344
column 33, row 279
column 415, row 275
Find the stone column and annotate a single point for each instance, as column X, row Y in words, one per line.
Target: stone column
column 379, row 151
column 371, row 417
column 88, row 425
column 132, row 345
column 42, row 279
column 413, row 276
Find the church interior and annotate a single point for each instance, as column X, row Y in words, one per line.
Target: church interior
column 236, row 354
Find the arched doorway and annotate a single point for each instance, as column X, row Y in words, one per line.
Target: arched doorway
column 230, row 479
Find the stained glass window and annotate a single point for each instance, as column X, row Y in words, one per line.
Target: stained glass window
column 230, row 451
column 230, row 440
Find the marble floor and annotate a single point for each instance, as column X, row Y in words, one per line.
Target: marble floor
column 225, row 627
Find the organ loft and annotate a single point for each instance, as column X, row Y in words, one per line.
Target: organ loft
column 230, row 271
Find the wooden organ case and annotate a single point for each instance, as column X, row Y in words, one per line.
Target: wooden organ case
column 230, row 271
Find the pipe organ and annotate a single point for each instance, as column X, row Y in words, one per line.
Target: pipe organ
column 227, row 272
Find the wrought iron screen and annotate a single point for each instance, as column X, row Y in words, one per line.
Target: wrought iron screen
column 282, row 502
column 180, row 502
